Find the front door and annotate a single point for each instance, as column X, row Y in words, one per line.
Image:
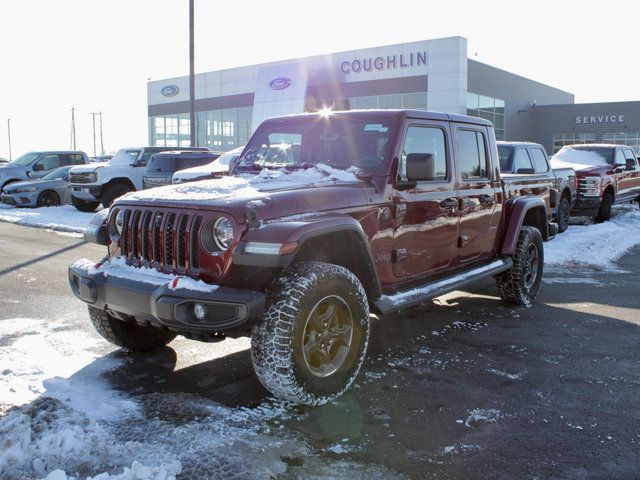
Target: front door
column 46, row 164
column 426, row 221
column 478, row 190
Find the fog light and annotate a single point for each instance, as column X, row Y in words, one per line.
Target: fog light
column 200, row 311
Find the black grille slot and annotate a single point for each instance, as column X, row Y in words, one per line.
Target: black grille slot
column 144, row 235
column 157, row 226
column 223, row 313
column 168, row 241
column 194, row 244
column 135, row 237
column 126, row 233
column 180, row 243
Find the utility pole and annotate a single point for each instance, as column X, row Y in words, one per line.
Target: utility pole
column 93, row 116
column 192, row 80
column 101, row 139
column 9, row 134
column 73, row 128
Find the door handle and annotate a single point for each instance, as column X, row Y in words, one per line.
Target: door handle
column 449, row 203
column 487, row 199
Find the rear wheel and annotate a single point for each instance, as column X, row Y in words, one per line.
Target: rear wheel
column 312, row 342
column 604, row 214
column 83, row 205
column 128, row 335
column 520, row 285
column 113, row 192
column 564, row 214
column 48, row 199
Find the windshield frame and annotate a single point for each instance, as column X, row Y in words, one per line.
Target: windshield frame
column 50, row 174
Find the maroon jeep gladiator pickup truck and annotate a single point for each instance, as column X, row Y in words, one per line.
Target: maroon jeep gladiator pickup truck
column 373, row 211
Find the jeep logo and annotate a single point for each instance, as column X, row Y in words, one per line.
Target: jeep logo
column 280, row 83
column 170, row 90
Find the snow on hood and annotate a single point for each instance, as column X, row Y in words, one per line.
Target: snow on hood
column 577, row 159
column 247, row 185
column 89, row 167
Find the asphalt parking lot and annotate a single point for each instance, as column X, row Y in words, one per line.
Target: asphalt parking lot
column 463, row 387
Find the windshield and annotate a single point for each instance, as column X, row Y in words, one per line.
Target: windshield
column 226, row 158
column 579, row 155
column 25, row 159
column 337, row 141
column 57, row 174
column 504, row 153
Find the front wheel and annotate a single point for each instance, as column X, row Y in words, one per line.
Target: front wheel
column 520, row 285
column 604, row 213
column 128, row 335
column 83, row 205
column 564, row 214
column 313, row 339
column 48, row 199
column 114, row 192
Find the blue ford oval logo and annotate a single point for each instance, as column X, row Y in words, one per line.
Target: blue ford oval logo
column 170, row 90
column 280, row 83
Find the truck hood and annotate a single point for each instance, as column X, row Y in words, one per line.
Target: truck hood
column 594, row 170
column 271, row 193
column 88, row 168
column 6, row 169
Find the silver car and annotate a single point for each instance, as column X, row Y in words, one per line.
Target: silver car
column 49, row 191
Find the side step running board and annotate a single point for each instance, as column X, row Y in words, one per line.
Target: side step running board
column 392, row 303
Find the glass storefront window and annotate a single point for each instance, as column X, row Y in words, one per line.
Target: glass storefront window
column 492, row 109
column 562, row 139
column 631, row 139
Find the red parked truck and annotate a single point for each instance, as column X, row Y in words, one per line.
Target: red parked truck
column 606, row 175
column 373, row 211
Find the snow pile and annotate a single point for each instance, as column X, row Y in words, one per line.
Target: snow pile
column 65, row 218
column 597, row 246
column 219, row 165
column 118, row 267
column 246, row 186
column 577, row 159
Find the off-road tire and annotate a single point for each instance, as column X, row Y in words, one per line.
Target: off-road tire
column 512, row 283
column 113, row 192
column 604, row 213
column 83, row 205
column 48, row 199
column 564, row 214
column 127, row 335
column 277, row 342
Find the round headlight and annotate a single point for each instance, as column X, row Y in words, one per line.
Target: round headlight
column 222, row 233
column 118, row 222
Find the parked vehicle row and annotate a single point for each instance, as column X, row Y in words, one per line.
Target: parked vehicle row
column 162, row 166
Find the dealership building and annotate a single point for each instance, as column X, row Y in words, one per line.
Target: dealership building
column 432, row 74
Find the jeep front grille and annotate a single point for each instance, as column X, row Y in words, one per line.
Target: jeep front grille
column 168, row 241
column 81, row 177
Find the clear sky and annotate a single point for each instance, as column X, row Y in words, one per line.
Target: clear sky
column 98, row 54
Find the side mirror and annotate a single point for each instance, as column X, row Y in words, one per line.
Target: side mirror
column 630, row 164
column 38, row 167
column 526, row 171
column 618, row 167
column 420, row 166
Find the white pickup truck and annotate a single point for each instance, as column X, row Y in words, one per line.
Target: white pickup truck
column 103, row 182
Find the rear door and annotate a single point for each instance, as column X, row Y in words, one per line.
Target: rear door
column 633, row 172
column 478, row 190
column 426, row 220
column 624, row 179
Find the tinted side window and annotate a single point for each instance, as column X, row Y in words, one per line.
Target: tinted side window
column 76, row 159
column 521, row 160
column 628, row 153
column 620, row 160
column 49, row 162
column 539, row 160
column 472, row 161
column 425, row 140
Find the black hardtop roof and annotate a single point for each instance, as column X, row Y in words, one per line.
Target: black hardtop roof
column 183, row 153
column 397, row 113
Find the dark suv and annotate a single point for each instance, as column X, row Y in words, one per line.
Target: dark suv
column 607, row 174
column 162, row 166
column 369, row 211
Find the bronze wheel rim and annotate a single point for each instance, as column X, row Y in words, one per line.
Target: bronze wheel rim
column 531, row 263
column 327, row 336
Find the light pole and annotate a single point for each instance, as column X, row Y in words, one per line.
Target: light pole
column 101, row 139
column 9, row 135
column 192, row 80
column 93, row 117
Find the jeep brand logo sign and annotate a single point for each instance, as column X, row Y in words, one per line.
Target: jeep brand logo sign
column 390, row 62
column 170, row 90
column 600, row 119
column 280, row 83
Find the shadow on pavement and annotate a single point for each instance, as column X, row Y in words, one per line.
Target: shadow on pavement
column 41, row 258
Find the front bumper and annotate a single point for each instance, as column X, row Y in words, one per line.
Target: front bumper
column 19, row 199
column 88, row 193
column 586, row 206
column 156, row 302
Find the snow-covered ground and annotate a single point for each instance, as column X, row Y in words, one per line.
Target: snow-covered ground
column 69, row 422
column 65, row 218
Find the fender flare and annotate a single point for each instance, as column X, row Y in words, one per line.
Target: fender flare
column 517, row 213
column 298, row 233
